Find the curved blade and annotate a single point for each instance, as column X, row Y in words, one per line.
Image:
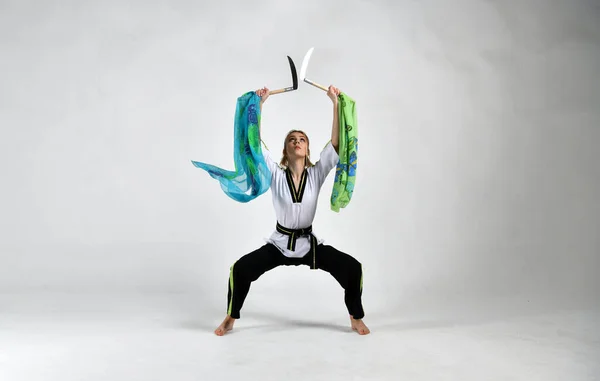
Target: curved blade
column 294, row 74
column 305, row 64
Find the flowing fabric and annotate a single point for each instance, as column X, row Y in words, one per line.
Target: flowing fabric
column 345, row 172
column 251, row 177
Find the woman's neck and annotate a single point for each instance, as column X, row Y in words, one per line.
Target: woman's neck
column 296, row 167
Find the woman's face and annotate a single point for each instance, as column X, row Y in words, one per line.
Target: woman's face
column 296, row 145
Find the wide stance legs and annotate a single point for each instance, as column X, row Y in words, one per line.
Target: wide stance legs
column 343, row 267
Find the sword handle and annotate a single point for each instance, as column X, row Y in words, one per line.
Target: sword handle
column 279, row 91
column 316, row 84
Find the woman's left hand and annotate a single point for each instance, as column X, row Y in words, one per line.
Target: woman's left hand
column 333, row 93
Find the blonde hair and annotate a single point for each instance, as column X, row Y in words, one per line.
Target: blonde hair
column 284, row 159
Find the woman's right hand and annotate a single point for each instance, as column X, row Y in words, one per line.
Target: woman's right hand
column 263, row 94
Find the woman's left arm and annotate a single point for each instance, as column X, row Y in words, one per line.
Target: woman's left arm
column 333, row 94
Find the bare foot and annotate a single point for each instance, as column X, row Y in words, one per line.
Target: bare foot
column 359, row 326
column 226, row 326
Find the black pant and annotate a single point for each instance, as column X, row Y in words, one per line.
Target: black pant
column 344, row 268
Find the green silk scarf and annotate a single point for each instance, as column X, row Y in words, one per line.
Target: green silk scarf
column 345, row 172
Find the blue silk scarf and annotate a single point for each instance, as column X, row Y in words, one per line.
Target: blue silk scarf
column 251, row 177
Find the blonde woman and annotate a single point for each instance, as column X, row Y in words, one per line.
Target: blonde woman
column 295, row 186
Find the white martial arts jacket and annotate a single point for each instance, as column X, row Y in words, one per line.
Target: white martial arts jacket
column 296, row 210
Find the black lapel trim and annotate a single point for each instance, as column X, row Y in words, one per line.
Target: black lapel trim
column 296, row 196
column 290, row 183
column 303, row 180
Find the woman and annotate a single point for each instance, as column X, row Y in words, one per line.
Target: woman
column 295, row 187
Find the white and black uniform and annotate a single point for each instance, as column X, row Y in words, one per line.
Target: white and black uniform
column 296, row 208
column 293, row 242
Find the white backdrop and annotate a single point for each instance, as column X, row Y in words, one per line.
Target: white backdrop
column 477, row 176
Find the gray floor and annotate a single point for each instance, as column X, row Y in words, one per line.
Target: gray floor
column 158, row 337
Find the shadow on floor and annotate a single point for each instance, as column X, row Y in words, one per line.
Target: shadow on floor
column 276, row 323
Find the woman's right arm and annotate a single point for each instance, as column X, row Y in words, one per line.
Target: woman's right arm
column 263, row 94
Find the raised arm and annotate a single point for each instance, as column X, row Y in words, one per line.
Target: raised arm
column 333, row 94
column 263, row 94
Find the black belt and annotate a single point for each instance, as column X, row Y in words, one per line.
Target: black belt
column 294, row 234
